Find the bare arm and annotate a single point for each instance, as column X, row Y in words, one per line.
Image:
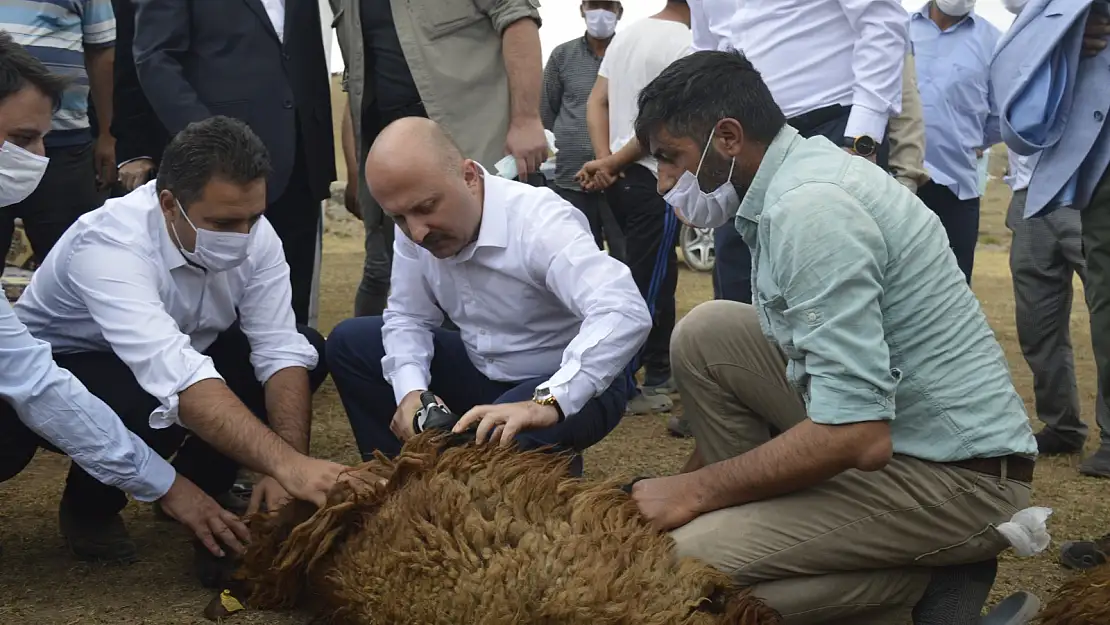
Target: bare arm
column 805, row 455
column 597, row 117
column 520, row 44
column 289, row 406
column 99, row 61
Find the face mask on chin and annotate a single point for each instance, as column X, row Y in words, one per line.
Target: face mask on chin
column 20, row 173
column 955, row 8
column 698, row 208
column 214, row 251
column 601, row 23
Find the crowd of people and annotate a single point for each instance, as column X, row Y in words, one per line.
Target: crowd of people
column 168, row 160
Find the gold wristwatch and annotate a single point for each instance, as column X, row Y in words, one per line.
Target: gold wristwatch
column 543, row 397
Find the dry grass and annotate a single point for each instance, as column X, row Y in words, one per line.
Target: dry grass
column 40, row 583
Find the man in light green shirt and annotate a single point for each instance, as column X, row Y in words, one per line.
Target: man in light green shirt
column 903, row 441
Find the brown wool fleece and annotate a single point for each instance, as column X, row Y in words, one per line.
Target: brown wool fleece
column 1081, row 600
column 481, row 534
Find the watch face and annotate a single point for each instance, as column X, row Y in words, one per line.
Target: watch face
column 865, row 146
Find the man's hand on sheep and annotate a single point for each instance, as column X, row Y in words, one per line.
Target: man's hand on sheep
column 667, row 502
column 502, row 422
column 267, row 495
column 213, row 525
column 310, row 479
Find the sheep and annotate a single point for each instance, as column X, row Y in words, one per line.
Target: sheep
column 449, row 534
column 1081, row 600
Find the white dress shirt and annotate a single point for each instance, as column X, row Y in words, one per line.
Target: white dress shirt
column 57, row 407
column 275, row 10
column 1021, row 170
column 531, row 296
column 816, row 53
column 116, row 282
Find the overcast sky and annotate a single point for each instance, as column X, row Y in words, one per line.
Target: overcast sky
column 562, row 21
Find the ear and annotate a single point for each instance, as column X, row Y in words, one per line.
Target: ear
column 729, row 136
column 471, row 172
column 167, row 203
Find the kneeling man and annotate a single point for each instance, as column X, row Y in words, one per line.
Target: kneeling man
column 903, row 442
column 547, row 321
column 172, row 305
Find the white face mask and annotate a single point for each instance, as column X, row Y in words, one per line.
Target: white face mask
column 601, row 23
column 215, row 251
column 955, row 8
column 698, row 208
column 20, row 173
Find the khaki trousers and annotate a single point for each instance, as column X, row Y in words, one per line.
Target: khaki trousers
column 856, row 549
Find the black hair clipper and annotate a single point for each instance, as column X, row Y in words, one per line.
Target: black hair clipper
column 432, row 415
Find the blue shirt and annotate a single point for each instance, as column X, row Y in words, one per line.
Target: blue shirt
column 853, row 277
column 58, row 32
column 57, row 407
column 953, row 76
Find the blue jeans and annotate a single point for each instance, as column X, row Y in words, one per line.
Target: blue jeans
column 354, row 353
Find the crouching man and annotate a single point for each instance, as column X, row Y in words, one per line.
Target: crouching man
column 903, row 440
column 547, row 322
column 172, row 305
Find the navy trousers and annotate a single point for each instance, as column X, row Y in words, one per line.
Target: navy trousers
column 354, row 352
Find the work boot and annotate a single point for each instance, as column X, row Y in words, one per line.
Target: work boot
column 643, row 403
column 96, row 539
column 1085, row 554
column 1097, row 464
column 1052, row 443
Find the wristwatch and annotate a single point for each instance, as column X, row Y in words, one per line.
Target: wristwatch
column 543, row 397
column 862, row 145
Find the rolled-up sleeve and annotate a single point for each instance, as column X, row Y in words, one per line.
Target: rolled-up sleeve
column 266, row 310
column 596, row 288
column 827, row 259
column 54, row 404
column 98, row 23
column 503, row 13
column 119, row 288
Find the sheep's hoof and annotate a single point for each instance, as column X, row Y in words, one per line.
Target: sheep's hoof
column 222, row 606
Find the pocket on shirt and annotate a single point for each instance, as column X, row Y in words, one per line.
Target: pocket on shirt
column 969, row 90
column 440, row 18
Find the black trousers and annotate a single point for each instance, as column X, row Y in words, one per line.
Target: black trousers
column 603, row 223
column 296, row 216
column 732, row 273
column 67, row 191
column 960, row 219
column 107, row 377
column 650, row 230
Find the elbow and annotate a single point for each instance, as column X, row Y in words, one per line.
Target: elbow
column 872, row 448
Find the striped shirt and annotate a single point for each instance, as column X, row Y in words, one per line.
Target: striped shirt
column 567, row 81
column 57, row 32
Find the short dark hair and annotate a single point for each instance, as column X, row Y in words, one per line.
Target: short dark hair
column 217, row 147
column 695, row 92
column 20, row 69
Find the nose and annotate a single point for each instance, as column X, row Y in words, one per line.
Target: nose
column 417, row 230
column 665, row 182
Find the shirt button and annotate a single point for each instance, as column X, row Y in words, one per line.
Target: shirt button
column 812, row 317
column 1098, row 116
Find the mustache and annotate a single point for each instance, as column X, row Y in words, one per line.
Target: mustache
column 433, row 239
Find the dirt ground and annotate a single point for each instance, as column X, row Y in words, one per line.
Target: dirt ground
column 40, row 583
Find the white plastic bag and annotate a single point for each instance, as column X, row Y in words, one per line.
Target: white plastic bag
column 1027, row 532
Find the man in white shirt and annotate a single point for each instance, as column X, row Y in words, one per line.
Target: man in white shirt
column 1046, row 252
column 43, row 405
column 547, row 321
column 636, row 56
column 172, row 304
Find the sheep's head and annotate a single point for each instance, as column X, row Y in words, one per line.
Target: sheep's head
column 478, row 533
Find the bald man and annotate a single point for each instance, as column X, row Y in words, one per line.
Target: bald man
column 547, row 321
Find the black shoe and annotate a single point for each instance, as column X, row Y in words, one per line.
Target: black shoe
column 1085, row 554
column 96, row 539
column 212, row 571
column 1097, row 464
column 1049, row 443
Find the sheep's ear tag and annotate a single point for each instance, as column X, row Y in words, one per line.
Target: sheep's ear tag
column 231, row 604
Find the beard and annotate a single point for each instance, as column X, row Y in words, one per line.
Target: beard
column 714, row 171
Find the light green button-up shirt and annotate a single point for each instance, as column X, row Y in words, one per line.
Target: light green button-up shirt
column 853, row 277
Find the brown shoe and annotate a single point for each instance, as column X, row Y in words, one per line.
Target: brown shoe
column 96, row 540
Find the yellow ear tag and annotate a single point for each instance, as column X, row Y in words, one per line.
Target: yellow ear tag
column 231, row 604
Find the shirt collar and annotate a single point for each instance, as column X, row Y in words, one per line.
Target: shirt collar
column 171, row 255
column 923, row 13
column 494, row 229
column 781, row 146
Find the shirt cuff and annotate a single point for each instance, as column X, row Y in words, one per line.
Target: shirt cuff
column 166, row 414
column 571, row 395
column 154, row 480
column 407, row 379
column 865, row 121
column 843, row 405
column 137, row 158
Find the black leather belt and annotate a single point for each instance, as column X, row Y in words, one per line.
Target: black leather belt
column 1017, row 467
